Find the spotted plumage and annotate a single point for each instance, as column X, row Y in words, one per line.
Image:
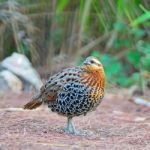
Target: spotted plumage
column 74, row 91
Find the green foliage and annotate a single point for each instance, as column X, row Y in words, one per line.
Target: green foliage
column 133, row 57
column 134, row 61
column 64, row 27
column 118, row 73
column 61, row 6
column 120, row 26
column 146, row 62
column 113, row 68
column 141, row 19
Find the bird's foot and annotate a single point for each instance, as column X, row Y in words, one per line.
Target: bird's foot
column 78, row 132
column 71, row 131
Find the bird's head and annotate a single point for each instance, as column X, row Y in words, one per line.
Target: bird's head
column 92, row 64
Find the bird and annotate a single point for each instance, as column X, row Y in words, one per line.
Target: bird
column 73, row 92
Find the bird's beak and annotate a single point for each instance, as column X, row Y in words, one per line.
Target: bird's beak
column 86, row 63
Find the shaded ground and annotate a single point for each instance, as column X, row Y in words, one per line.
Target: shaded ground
column 117, row 124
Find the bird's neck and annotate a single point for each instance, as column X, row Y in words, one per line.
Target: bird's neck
column 95, row 78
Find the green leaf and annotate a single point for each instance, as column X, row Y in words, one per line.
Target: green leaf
column 61, row 6
column 128, row 81
column 107, row 59
column 144, row 48
column 146, row 62
column 141, row 19
column 119, row 26
column 134, row 79
column 117, row 44
column 139, row 33
column 82, row 3
column 113, row 70
column 122, row 80
column 134, row 58
column 143, row 8
column 127, row 43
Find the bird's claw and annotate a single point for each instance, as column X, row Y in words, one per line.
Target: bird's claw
column 71, row 131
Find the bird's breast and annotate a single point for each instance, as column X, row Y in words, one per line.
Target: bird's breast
column 95, row 81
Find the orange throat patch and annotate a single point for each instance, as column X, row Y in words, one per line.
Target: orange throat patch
column 94, row 78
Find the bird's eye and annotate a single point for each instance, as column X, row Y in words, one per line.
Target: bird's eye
column 92, row 61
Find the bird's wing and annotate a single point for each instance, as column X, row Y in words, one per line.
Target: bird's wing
column 56, row 83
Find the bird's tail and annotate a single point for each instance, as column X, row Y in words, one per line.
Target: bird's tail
column 32, row 105
column 36, row 102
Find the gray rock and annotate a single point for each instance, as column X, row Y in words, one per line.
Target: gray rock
column 21, row 66
column 4, row 85
column 9, row 81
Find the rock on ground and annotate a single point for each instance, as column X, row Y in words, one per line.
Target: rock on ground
column 10, row 82
column 21, row 66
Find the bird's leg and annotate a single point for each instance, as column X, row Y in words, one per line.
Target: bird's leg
column 70, row 127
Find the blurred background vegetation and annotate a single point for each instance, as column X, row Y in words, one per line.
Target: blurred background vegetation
column 55, row 33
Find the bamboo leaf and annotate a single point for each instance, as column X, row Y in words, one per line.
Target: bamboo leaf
column 61, row 6
column 141, row 19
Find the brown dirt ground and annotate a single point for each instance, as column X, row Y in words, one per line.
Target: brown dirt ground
column 117, row 124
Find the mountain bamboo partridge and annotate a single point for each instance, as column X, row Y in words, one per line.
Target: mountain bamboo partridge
column 73, row 91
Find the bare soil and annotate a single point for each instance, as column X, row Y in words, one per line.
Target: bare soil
column 117, row 124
